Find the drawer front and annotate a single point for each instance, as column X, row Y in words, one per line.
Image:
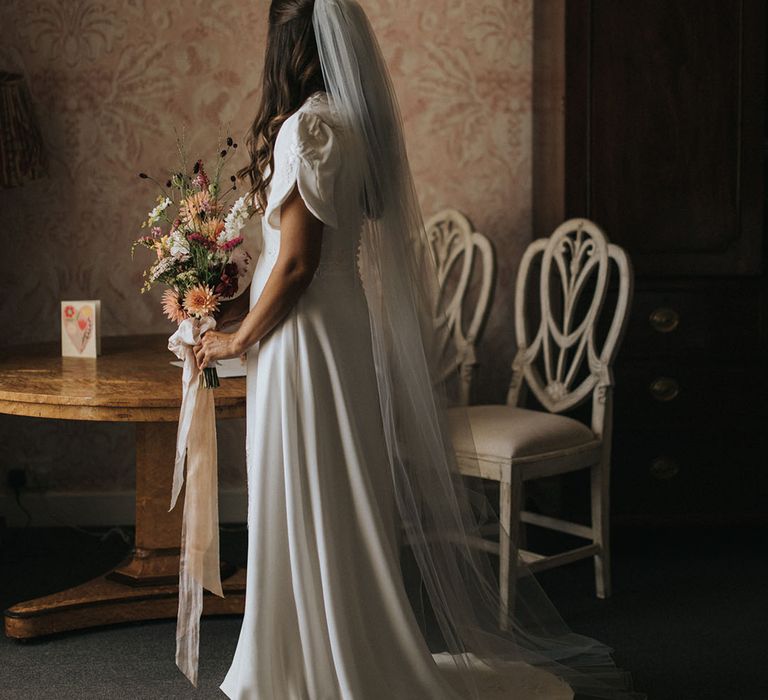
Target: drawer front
column 717, row 322
column 690, row 440
column 664, row 474
column 671, row 392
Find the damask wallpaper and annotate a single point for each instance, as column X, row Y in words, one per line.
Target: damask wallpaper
column 111, row 79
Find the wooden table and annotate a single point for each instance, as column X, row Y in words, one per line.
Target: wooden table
column 131, row 382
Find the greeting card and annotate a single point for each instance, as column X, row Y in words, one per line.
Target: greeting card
column 80, row 332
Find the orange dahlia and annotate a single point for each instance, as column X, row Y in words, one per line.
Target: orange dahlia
column 200, row 300
column 172, row 306
column 191, row 207
column 211, row 228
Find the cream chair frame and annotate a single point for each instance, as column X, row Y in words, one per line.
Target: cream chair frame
column 453, row 241
column 576, row 251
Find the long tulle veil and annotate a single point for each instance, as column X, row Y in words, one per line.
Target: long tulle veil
column 433, row 501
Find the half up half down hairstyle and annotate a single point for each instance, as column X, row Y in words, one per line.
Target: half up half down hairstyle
column 292, row 73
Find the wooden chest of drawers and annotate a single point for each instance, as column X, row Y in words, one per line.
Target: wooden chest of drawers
column 650, row 119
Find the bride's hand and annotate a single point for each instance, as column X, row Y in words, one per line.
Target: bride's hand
column 215, row 345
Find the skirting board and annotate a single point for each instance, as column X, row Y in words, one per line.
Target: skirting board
column 100, row 509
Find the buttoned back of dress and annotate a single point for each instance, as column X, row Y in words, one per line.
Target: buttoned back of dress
column 309, row 154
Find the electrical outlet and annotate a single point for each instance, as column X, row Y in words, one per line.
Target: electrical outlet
column 17, row 478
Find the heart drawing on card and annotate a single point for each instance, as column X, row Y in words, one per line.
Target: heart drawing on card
column 79, row 326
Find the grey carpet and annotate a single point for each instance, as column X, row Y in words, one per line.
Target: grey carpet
column 688, row 618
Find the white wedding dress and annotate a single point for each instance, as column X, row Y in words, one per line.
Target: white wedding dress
column 326, row 612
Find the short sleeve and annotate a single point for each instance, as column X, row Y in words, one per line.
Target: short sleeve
column 307, row 157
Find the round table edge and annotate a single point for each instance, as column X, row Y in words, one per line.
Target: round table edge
column 225, row 408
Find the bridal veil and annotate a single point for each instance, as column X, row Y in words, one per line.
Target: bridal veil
column 433, row 500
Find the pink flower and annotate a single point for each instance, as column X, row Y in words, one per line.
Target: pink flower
column 202, row 240
column 200, row 179
column 229, row 245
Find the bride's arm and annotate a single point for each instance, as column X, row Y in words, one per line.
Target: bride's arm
column 300, row 244
column 233, row 311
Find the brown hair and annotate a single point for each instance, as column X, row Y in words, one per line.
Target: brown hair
column 291, row 74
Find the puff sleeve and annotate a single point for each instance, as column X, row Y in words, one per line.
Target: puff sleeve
column 307, row 157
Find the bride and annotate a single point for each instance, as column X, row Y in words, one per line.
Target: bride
column 347, row 442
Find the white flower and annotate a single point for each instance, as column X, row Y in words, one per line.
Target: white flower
column 234, row 221
column 154, row 215
column 179, row 246
column 161, row 267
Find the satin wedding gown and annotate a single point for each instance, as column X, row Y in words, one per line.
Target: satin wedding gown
column 326, row 612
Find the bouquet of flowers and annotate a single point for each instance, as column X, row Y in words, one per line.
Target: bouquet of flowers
column 195, row 235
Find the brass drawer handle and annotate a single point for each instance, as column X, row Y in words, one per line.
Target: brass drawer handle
column 664, row 388
column 664, row 319
column 663, row 468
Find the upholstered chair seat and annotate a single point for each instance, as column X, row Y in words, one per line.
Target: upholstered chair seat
column 504, row 433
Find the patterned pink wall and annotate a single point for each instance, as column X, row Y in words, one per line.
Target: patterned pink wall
column 111, row 79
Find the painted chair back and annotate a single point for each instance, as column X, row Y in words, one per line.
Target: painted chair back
column 561, row 361
column 461, row 255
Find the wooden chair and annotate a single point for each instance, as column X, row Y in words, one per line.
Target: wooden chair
column 458, row 251
column 512, row 445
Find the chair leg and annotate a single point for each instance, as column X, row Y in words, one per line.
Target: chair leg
column 522, row 532
column 510, row 498
column 600, row 488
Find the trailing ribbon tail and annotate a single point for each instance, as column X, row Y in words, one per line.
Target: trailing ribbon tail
column 196, row 441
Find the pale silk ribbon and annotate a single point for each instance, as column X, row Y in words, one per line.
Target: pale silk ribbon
column 196, row 439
